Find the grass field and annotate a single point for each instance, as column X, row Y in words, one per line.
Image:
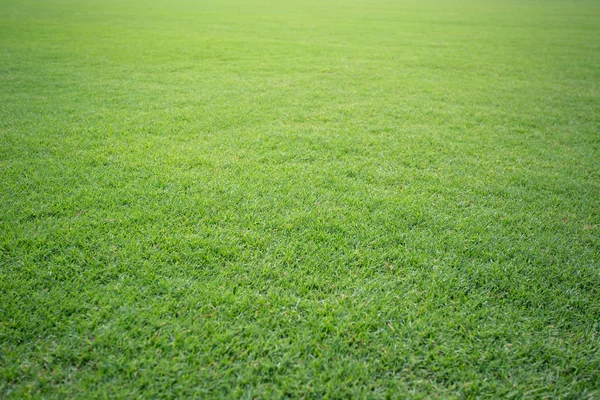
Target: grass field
column 300, row 198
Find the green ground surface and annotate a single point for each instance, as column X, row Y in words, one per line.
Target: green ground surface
column 360, row 198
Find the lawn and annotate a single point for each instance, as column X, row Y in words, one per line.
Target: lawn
column 300, row 198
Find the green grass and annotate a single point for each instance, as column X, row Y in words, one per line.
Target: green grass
column 299, row 198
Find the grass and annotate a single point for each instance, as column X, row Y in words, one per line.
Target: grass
column 357, row 199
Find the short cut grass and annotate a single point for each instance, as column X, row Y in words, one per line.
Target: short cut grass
column 299, row 198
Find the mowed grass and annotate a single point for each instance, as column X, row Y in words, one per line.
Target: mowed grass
column 301, row 198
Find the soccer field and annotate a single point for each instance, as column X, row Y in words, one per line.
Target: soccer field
column 300, row 199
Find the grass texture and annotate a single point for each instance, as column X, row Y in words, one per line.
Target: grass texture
column 299, row 198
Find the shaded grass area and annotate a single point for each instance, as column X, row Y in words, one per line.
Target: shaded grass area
column 302, row 199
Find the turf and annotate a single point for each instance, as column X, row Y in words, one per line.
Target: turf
column 301, row 198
